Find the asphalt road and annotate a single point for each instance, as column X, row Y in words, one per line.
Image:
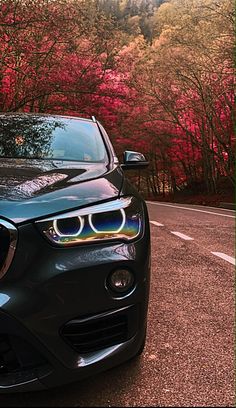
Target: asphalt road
column 189, row 355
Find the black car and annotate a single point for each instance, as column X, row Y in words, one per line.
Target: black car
column 75, row 252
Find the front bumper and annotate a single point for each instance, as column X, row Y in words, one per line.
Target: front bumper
column 47, row 287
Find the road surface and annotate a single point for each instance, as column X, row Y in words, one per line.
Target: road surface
column 189, row 355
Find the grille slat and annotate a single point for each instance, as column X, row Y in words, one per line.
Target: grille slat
column 17, row 355
column 8, row 359
column 97, row 341
column 99, row 330
column 105, row 330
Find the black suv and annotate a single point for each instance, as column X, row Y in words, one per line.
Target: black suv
column 75, row 252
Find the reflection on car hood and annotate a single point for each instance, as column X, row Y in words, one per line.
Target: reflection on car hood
column 32, row 189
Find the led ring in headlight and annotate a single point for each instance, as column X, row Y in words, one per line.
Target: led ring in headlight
column 59, row 229
column 111, row 231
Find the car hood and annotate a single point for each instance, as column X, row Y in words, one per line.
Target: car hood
column 31, row 189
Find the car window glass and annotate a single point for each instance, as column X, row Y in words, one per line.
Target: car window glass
column 51, row 138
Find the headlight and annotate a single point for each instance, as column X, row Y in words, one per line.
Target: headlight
column 119, row 219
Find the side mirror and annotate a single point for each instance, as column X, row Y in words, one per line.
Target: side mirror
column 134, row 160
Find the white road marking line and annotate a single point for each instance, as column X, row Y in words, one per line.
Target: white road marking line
column 191, row 209
column 183, row 236
column 218, row 208
column 196, row 205
column 227, row 258
column 158, row 224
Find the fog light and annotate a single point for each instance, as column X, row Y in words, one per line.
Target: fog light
column 121, row 280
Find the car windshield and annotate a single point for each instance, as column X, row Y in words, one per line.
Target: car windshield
column 57, row 138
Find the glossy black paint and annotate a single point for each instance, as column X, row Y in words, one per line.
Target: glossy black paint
column 32, row 189
column 45, row 287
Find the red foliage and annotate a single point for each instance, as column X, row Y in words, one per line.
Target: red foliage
column 53, row 59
